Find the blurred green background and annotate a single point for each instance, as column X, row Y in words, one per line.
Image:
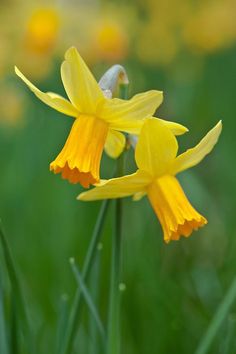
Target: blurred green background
column 185, row 48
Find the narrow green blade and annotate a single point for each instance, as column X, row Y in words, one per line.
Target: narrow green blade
column 88, row 298
column 16, row 291
column 3, row 332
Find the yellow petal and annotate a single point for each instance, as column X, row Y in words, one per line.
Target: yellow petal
column 115, row 143
column 174, row 211
column 176, row 128
column 127, row 115
column 79, row 160
column 118, row 187
column 80, row 85
column 51, row 99
column 138, row 196
column 193, row 156
column 156, row 148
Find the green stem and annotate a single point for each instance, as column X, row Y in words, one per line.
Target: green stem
column 113, row 340
column 89, row 259
column 217, row 320
column 113, row 343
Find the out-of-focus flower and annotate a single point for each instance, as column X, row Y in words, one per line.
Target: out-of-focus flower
column 157, row 44
column 157, row 166
column 159, row 32
column 99, row 120
column 211, row 27
column 170, row 28
column 12, row 103
column 42, row 30
column 110, row 42
column 38, row 41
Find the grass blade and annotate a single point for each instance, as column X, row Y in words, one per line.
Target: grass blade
column 62, row 321
column 88, row 298
column 228, row 341
column 90, row 257
column 16, row 289
column 94, row 286
column 3, row 333
column 217, row 320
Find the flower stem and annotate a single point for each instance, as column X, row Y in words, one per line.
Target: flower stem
column 113, row 340
column 113, row 344
column 65, row 347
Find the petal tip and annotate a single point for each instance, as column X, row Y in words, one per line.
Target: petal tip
column 220, row 124
column 218, row 129
column 79, row 197
column 70, row 51
column 17, row 71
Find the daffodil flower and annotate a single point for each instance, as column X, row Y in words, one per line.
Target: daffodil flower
column 99, row 120
column 158, row 163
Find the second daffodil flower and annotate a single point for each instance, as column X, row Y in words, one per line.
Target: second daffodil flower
column 158, row 163
column 99, row 120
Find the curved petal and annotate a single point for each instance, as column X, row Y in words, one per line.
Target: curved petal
column 193, row 156
column 130, row 127
column 156, row 148
column 115, row 143
column 80, row 85
column 118, row 187
column 176, row 128
column 120, row 113
column 138, row 196
column 51, row 99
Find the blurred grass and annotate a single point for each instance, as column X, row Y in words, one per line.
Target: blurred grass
column 172, row 291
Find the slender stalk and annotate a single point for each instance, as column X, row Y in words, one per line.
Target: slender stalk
column 16, row 291
column 3, row 332
column 113, row 340
column 88, row 299
column 91, row 254
column 95, row 346
column 113, row 343
column 89, row 259
column 217, row 320
column 62, row 322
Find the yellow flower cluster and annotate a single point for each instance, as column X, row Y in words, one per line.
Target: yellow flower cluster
column 172, row 28
column 99, row 123
column 156, row 32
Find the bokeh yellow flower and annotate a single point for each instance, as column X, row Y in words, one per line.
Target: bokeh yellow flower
column 42, row 30
column 12, row 105
column 211, row 27
column 110, row 41
column 99, row 120
column 157, row 166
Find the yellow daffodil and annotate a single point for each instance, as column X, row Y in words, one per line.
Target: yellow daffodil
column 99, row 120
column 42, row 30
column 110, row 41
column 157, row 166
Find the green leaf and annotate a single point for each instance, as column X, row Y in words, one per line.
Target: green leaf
column 3, row 332
column 89, row 261
column 62, row 322
column 217, row 320
column 88, row 298
column 16, row 292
